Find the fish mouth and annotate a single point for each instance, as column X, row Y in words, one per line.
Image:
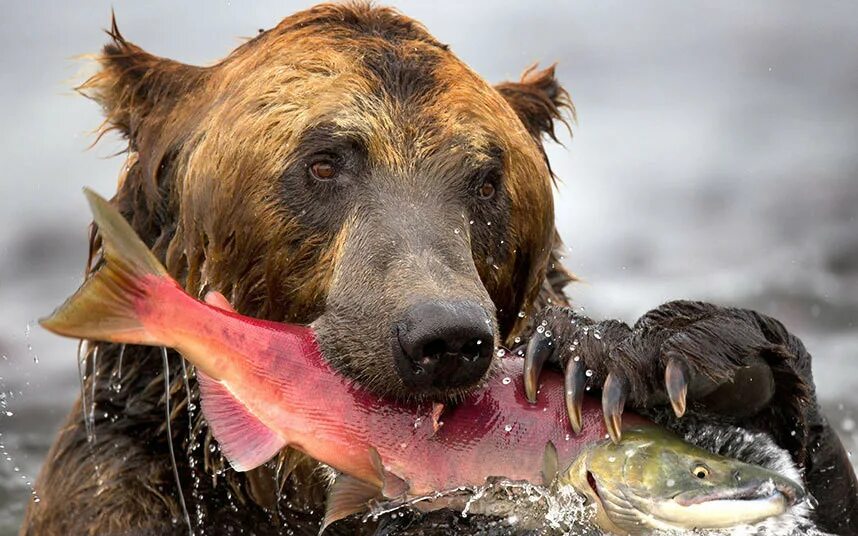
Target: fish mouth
column 750, row 492
column 711, row 509
column 721, row 507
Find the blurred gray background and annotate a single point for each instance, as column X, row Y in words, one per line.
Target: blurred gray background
column 715, row 158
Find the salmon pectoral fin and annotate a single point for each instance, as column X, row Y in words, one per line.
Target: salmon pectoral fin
column 392, row 486
column 245, row 441
column 348, row 496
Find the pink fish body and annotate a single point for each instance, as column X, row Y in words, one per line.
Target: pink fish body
column 278, row 374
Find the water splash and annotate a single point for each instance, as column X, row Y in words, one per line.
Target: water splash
column 4, row 452
column 82, row 350
column 116, row 384
column 30, row 351
column 522, row 505
column 187, row 516
column 192, row 447
column 94, row 387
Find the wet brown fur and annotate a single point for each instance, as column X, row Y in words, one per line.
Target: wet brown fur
column 205, row 145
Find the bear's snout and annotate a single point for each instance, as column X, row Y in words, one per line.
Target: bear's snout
column 443, row 344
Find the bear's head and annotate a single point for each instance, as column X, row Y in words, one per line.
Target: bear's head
column 346, row 169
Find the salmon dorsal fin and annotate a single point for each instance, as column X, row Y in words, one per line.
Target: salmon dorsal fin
column 348, row 496
column 245, row 441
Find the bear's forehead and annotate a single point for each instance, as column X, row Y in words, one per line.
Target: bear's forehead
column 371, row 71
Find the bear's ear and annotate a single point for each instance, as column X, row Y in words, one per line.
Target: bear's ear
column 539, row 100
column 133, row 85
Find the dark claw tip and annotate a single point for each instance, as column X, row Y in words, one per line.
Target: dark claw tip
column 538, row 351
column 573, row 381
column 676, row 380
column 613, row 402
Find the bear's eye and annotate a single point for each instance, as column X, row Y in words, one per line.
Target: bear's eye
column 486, row 190
column 324, row 169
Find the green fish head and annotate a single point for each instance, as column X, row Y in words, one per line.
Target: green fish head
column 655, row 480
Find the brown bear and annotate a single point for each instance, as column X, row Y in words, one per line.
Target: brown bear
column 346, row 169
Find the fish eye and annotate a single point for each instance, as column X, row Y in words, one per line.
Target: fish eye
column 700, row 471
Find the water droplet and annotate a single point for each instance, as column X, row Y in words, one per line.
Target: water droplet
column 576, row 358
column 456, row 231
column 521, row 314
column 670, row 482
column 508, row 428
column 548, row 333
column 540, row 329
column 506, row 381
column 501, row 352
column 9, row 413
column 517, row 340
column 589, row 373
column 612, row 459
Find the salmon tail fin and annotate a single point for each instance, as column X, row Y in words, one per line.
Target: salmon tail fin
column 106, row 306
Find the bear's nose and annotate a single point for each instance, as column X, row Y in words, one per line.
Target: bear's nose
column 443, row 344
